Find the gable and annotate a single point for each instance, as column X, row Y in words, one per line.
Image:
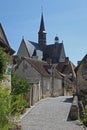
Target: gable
column 29, row 49
column 23, row 51
column 62, row 54
column 3, row 37
column 27, row 70
column 56, row 52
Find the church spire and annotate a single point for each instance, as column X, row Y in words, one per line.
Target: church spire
column 42, row 33
column 42, row 27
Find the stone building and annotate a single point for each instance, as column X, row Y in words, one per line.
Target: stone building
column 42, row 50
column 44, row 79
column 81, row 73
column 67, row 70
column 53, row 54
column 8, row 50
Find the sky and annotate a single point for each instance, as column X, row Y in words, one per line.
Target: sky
column 65, row 18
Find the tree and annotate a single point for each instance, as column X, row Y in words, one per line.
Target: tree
column 4, row 92
column 9, row 103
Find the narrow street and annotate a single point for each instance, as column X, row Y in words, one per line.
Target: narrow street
column 50, row 114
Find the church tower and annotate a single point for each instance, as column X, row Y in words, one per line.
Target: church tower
column 42, row 34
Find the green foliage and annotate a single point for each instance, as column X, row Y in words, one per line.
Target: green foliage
column 10, row 105
column 2, row 63
column 5, row 59
column 18, row 104
column 19, row 85
column 4, row 108
column 84, row 117
column 14, row 103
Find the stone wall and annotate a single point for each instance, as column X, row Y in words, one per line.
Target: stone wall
column 36, row 93
column 26, row 70
column 82, row 77
column 74, row 111
column 58, row 91
column 46, row 87
column 40, row 86
column 6, row 82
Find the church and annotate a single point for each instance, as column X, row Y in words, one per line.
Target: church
column 40, row 61
column 53, row 53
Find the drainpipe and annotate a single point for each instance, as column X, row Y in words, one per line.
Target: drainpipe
column 52, row 74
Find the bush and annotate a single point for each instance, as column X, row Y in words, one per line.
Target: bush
column 3, row 62
column 84, row 118
column 18, row 104
column 4, row 108
column 19, row 85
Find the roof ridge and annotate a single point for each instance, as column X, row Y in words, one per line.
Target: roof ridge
column 35, row 65
column 35, row 60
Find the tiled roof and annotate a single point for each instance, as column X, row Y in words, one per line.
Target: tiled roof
column 66, row 68
column 43, row 68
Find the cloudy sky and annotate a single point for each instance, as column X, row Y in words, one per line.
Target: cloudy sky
column 65, row 18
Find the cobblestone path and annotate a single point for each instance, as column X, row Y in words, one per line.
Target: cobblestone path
column 50, row 114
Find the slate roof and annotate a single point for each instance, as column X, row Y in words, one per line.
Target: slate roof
column 42, row 27
column 42, row 67
column 53, row 51
column 31, row 47
column 4, row 42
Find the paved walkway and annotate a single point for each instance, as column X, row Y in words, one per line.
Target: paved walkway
column 50, row 114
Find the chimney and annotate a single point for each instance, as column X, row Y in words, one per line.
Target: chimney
column 66, row 60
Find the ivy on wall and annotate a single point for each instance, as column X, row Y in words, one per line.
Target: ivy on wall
column 4, row 60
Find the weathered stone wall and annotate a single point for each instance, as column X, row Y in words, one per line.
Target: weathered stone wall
column 36, row 93
column 58, row 91
column 6, row 82
column 74, row 111
column 40, row 87
column 46, row 87
column 34, row 78
column 82, row 77
column 26, row 70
